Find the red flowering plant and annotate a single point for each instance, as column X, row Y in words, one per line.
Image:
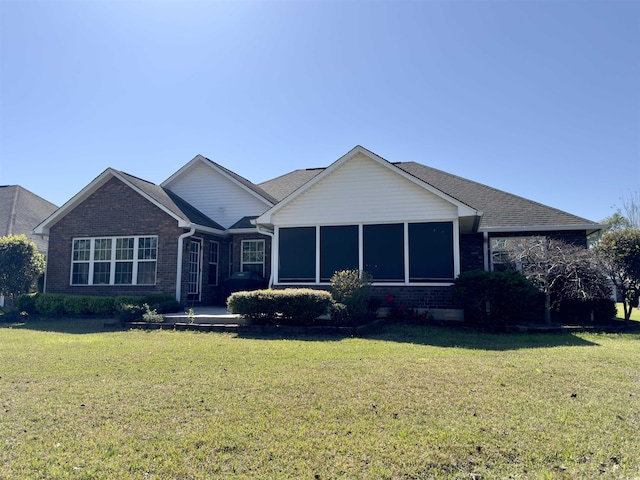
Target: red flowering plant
column 402, row 312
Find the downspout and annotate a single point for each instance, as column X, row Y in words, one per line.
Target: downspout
column 263, row 231
column 485, row 250
column 180, row 254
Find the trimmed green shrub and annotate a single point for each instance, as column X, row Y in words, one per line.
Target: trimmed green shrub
column 352, row 289
column 101, row 305
column 302, row 306
column 50, row 303
column 27, row 302
column 168, row 306
column 290, row 306
column 76, row 305
column 494, row 299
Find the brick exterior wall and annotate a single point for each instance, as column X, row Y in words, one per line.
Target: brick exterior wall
column 237, row 251
column 113, row 210
column 471, row 252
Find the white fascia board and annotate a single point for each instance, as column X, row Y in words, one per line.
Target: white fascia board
column 463, row 209
column 215, row 231
column 541, row 228
column 43, row 228
column 242, row 230
column 182, row 222
column 211, row 164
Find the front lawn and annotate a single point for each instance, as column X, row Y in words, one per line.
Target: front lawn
column 407, row 403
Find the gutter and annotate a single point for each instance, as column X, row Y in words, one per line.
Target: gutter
column 269, row 233
column 180, row 255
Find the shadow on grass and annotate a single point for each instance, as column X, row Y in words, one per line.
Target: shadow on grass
column 437, row 336
column 476, row 340
column 74, row 325
column 441, row 336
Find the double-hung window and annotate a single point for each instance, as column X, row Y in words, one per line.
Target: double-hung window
column 253, row 256
column 114, row 261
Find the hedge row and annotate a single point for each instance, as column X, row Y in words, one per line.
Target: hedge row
column 62, row 304
column 299, row 306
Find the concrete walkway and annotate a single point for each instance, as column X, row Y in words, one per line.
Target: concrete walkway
column 207, row 314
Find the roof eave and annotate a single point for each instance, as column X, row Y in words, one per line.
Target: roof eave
column 543, row 228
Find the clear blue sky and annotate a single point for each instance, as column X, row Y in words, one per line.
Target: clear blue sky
column 538, row 98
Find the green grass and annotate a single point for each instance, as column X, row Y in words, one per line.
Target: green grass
column 406, row 403
column 635, row 313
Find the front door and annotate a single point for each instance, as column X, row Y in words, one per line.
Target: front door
column 195, row 270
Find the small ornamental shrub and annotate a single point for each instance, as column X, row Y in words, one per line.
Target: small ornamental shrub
column 353, row 289
column 130, row 312
column 151, row 315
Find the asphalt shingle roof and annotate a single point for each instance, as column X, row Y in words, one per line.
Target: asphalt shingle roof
column 501, row 209
column 21, row 211
column 172, row 202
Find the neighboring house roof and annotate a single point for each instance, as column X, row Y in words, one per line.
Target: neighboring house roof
column 185, row 214
column 502, row 211
column 20, row 212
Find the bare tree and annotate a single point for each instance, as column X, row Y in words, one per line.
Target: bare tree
column 631, row 208
column 560, row 271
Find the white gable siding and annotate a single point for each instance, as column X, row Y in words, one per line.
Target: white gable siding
column 215, row 195
column 363, row 191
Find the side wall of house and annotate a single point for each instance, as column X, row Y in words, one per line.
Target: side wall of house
column 113, row 210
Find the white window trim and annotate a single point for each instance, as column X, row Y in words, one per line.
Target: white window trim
column 113, row 261
column 406, row 282
column 264, row 254
column 216, row 263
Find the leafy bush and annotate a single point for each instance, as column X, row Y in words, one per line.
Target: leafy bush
column 76, row 305
column 101, row 305
column 340, row 314
column 50, row 303
column 151, row 315
column 168, row 306
column 61, row 304
column 494, row 299
column 27, row 302
column 353, row 290
column 130, row 312
column 291, row 306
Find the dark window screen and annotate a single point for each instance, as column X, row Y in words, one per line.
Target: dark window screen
column 338, row 249
column 430, row 251
column 297, row 254
column 384, row 251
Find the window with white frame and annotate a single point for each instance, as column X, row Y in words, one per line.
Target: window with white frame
column 253, row 256
column 214, row 256
column 114, row 261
